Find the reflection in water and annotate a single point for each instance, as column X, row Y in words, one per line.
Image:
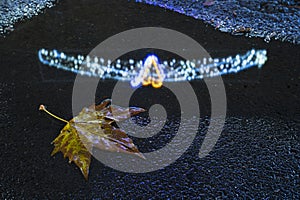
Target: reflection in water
column 152, row 71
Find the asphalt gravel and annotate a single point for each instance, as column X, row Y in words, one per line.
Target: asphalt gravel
column 271, row 20
column 12, row 11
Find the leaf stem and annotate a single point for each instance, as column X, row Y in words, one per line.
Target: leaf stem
column 43, row 108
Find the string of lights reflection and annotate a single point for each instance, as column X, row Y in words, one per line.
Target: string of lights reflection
column 152, row 71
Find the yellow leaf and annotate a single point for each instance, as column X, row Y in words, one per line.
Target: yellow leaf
column 69, row 143
column 93, row 128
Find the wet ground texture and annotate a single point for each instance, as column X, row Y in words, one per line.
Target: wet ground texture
column 271, row 20
column 256, row 156
column 14, row 11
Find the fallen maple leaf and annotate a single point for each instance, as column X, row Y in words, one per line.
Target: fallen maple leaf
column 92, row 128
